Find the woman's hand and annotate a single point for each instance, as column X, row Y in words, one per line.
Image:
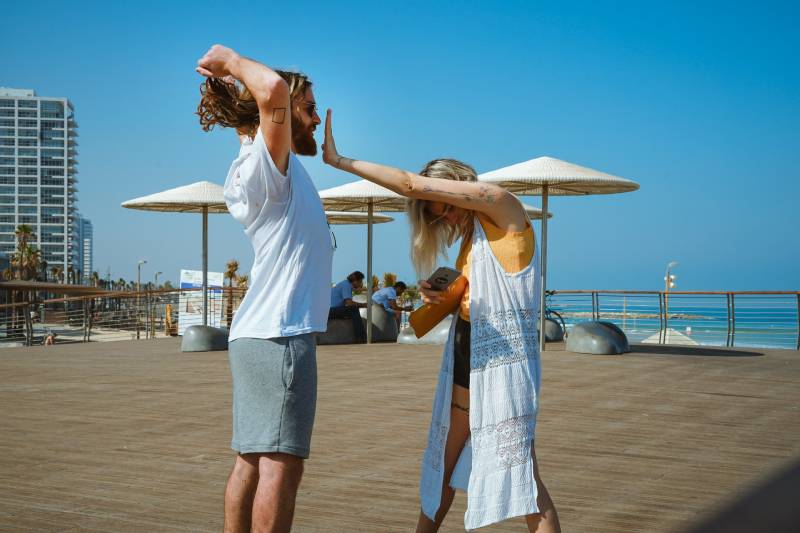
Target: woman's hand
column 329, row 153
column 429, row 296
column 217, row 62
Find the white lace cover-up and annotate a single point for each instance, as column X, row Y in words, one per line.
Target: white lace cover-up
column 495, row 466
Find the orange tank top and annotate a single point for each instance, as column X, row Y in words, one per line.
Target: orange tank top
column 513, row 250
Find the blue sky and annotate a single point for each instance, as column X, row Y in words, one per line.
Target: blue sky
column 698, row 102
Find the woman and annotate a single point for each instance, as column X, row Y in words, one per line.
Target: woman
column 484, row 414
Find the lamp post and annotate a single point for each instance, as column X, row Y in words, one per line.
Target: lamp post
column 138, row 290
column 151, row 320
column 669, row 283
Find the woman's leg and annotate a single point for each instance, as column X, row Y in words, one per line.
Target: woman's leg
column 546, row 520
column 459, row 431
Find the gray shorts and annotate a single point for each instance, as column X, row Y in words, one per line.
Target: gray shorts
column 274, row 394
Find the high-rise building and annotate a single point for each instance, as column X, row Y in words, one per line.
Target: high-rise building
column 85, row 238
column 38, row 156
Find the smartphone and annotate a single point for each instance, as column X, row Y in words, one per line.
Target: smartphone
column 443, row 277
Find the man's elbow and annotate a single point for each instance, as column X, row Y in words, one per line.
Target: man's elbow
column 272, row 90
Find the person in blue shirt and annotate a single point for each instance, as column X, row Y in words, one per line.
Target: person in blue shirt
column 343, row 306
column 387, row 298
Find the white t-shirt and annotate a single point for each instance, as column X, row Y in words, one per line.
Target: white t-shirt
column 289, row 289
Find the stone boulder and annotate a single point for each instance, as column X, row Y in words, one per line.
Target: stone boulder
column 602, row 338
column 437, row 335
column 384, row 327
column 340, row 331
column 553, row 331
column 204, row 339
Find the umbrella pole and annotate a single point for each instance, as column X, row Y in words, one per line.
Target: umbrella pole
column 369, row 272
column 205, row 266
column 543, row 268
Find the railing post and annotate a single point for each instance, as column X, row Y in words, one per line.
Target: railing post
column 730, row 323
column 661, row 332
column 85, row 322
column 733, row 319
column 28, row 325
column 594, row 305
column 666, row 317
column 597, row 305
column 798, row 320
column 91, row 321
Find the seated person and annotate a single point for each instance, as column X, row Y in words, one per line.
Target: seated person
column 343, row 306
column 387, row 298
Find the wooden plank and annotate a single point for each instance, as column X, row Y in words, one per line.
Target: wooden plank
column 131, row 436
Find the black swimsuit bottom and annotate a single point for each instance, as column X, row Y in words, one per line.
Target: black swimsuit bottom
column 461, row 353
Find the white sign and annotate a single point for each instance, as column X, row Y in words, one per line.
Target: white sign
column 190, row 312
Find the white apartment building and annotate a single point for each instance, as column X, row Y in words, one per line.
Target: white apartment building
column 38, row 159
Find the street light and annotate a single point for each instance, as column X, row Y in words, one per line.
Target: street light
column 139, row 274
column 669, row 283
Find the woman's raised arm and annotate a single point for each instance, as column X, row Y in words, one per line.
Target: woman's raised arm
column 500, row 205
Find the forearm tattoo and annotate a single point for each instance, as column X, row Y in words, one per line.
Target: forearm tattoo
column 485, row 194
column 279, row 115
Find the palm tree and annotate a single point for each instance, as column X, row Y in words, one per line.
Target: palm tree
column 389, row 279
column 25, row 263
column 24, row 234
column 56, row 272
column 230, row 274
column 244, row 279
column 95, row 279
column 70, row 274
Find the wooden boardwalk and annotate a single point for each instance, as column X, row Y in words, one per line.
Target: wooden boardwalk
column 133, row 436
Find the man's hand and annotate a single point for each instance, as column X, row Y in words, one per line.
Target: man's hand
column 329, row 153
column 429, row 296
column 217, row 62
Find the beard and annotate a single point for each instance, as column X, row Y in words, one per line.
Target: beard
column 303, row 138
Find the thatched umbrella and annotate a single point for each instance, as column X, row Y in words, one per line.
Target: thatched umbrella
column 201, row 197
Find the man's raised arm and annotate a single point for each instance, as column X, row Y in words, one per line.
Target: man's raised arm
column 269, row 90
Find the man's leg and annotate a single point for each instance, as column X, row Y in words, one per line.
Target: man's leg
column 279, row 477
column 358, row 325
column 239, row 493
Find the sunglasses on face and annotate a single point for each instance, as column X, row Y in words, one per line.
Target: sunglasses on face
column 311, row 107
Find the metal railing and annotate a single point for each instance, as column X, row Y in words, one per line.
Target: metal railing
column 769, row 319
column 744, row 319
column 112, row 316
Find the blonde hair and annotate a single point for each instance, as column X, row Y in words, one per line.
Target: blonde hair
column 430, row 238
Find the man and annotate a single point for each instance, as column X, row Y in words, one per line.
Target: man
column 272, row 347
column 343, row 306
column 387, row 298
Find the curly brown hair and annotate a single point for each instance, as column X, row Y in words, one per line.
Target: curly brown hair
column 229, row 104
